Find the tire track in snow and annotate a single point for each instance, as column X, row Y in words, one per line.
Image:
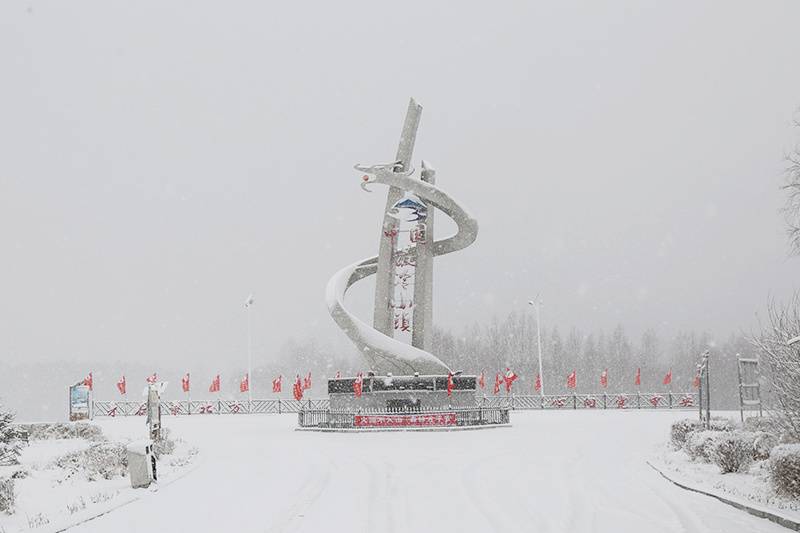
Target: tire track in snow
column 497, row 521
column 304, row 499
column 382, row 488
column 577, row 497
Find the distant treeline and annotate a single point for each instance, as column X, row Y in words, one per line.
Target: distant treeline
column 511, row 342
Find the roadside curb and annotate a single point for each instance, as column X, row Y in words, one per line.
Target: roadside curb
column 760, row 513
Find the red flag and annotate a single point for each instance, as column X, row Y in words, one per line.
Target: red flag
column 214, row 384
column 357, row 384
column 298, row 389
column 185, row 383
column 497, row 382
column 121, row 385
column 152, row 379
column 604, row 378
column 307, row 381
column 449, row 383
column 696, row 380
column 276, row 384
column 482, row 380
column 244, row 384
column 572, row 380
column 538, row 384
column 89, row 381
column 509, row 379
column 668, row 377
column 638, row 380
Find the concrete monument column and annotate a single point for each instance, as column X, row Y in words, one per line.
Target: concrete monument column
column 384, row 278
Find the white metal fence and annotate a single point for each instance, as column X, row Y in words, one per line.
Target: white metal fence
column 655, row 400
column 639, row 400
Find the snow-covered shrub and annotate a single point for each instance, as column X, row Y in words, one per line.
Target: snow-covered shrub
column 63, row 430
column 700, row 443
column 761, row 423
column 784, row 469
column 183, row 460
column 103, row 460
column 9, row 439
column 37, row 520
column 732, row 451
column 719, row 423
column 165, row 445
column 681, row 429
column 763, row 443
column 7, row 495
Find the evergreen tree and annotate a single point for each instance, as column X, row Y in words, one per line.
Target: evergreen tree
column 9, row 439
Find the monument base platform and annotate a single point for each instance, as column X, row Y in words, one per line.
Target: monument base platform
column 402, row 393
column 403, row 403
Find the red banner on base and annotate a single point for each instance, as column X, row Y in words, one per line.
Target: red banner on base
column 440, row 419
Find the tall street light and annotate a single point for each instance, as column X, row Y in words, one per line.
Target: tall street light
column 536, row 303
column 248, row 304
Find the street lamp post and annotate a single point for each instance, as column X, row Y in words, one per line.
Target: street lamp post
column 537, row 304
column 247, row 305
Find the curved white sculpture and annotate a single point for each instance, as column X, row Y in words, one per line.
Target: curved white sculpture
column 383, row 353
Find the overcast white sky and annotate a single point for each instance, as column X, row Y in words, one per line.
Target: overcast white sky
column 161, row 160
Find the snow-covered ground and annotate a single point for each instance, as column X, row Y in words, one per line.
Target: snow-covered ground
column 50, row 497
column 577, row 472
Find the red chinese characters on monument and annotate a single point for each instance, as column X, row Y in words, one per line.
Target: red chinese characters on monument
column 440, row 419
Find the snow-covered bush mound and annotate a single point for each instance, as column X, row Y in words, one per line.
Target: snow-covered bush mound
column 721, row 424
column 164, row 446
column 763, row 443
column 784, row 469
column 732, row 451
column 761, row 423
column 105, row 460
column 699, row 444
column 681, row 429
column 7, row 496
column 63, row 430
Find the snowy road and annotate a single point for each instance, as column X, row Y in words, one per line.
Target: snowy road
column 575, row 472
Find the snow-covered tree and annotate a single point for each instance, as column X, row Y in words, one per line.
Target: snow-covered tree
column 792, row 207
column 9, row 443
column 781, row 353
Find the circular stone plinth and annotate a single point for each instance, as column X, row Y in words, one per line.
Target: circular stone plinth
column 403, row 393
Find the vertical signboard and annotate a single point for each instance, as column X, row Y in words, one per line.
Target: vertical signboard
column 79, row 402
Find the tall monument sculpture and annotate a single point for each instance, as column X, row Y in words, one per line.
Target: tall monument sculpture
column 403, row 266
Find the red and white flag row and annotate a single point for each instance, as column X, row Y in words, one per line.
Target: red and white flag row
column 507, row 379
column 301, row 384
column 215, row 386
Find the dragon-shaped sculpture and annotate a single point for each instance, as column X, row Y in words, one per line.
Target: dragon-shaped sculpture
column 385, row 354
